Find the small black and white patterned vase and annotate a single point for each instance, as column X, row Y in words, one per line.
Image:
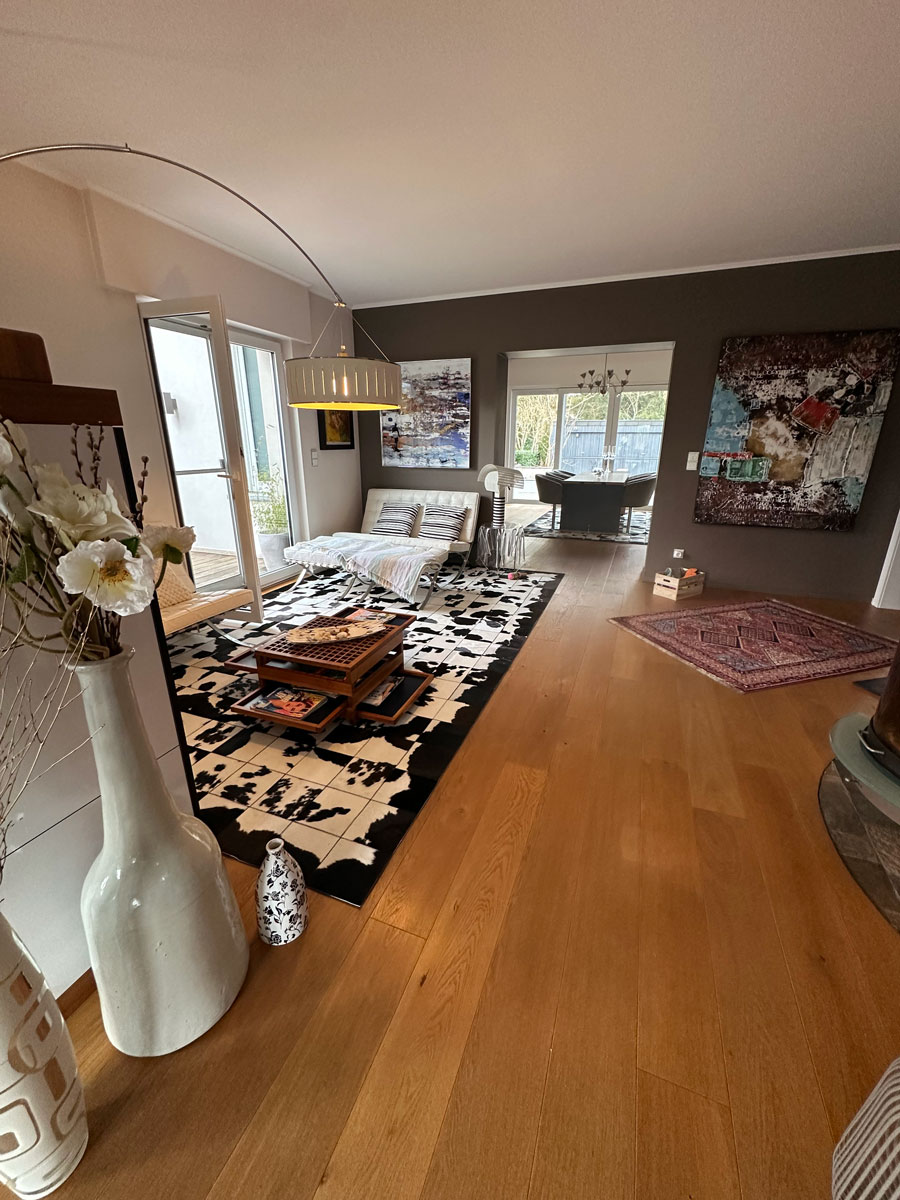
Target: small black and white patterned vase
column 282, row 910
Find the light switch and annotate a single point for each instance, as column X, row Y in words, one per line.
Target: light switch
column 314, row 457
column 692, row 460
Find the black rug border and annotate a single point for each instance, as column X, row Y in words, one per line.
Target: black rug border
column 505, row 656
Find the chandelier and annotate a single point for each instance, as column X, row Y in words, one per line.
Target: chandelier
column 342, row 382
column 595, row 382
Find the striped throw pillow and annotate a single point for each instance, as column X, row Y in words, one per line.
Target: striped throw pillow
column 442, row 524
column 397, row 520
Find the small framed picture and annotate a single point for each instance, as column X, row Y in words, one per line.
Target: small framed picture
column 335, row 429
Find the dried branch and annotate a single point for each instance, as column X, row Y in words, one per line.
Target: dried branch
column 79, row 465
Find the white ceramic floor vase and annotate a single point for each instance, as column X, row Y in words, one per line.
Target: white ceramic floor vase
column 43, row 1129
column 166, row 942
column 282, row 909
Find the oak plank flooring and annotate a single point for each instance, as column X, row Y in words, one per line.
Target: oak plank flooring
column 387, row 1143
column 485, row 1147
column 775, row 1098
column 685, row 1144
column 624, row 863
column 679, row 1037
column 327, row 1067
column 846, row 1034
column 586, row 1138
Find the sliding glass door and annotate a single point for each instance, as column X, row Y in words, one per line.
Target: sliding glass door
column 570, row 431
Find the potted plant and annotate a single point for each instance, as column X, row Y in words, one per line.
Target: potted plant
column 166, row 943
column 270, row 518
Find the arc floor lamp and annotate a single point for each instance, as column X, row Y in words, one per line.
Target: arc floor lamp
column 341, row 382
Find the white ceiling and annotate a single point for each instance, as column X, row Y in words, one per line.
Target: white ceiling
column 427, row 149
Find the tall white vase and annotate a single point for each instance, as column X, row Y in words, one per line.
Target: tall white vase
column 43, row 1130
column 164, row 933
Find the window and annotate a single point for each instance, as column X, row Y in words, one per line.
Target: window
column 569, row 431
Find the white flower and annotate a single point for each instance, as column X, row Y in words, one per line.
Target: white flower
column 78, row 513
column 7, row 454
column 109, row 575
column 159, row 538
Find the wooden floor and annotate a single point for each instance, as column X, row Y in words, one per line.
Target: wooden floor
column 211, row 566
column 617, row 957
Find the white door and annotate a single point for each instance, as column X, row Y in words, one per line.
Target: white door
column 271, row 451
column 191, row 359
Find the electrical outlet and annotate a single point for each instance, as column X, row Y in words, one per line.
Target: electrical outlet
column 692, row 460
column 678, row 554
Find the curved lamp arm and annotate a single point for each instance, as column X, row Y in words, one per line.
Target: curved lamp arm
column 126, row 149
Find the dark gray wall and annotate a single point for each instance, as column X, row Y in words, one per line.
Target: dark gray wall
column 696, row 312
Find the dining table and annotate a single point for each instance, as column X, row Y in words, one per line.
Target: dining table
column 592, row 503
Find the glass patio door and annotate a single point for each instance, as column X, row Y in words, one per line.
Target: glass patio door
column 266, row 441
column 191, row 359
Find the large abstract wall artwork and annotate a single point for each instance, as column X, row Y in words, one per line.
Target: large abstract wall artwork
column 432, row 427
column 793, row 426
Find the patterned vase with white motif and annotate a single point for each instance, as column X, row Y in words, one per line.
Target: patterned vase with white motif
column 43, row 1129
column 281, row 905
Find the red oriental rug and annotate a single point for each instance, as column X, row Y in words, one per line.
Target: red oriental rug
column 761, row 645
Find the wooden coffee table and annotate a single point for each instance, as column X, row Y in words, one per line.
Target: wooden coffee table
column 345, row 672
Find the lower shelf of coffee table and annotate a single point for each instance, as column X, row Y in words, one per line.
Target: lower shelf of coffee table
column 334, row 707
column 410, row 687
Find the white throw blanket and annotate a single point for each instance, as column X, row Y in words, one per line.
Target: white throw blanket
column 397, row 568
column 324, row 551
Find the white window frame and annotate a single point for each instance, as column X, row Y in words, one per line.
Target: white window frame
column 290, row 435
column 612, row 416
column 220, row 358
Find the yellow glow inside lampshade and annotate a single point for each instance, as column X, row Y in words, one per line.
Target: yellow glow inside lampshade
column 344, row 383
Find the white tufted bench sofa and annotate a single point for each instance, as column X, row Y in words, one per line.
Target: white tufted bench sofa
column 337, row 550
column 380, row 496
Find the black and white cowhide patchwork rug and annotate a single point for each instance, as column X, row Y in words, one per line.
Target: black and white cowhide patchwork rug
column 343, row 800
column 637, row 535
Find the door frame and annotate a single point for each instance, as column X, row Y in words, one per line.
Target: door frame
column 290, row 434
column 235, row 468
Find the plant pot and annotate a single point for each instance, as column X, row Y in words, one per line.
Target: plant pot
column 43, row 1128
column 164, row 933
column 272, row 547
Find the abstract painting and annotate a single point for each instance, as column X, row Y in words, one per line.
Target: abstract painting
column 335, row 429
column 793, row 426
column 432, row 427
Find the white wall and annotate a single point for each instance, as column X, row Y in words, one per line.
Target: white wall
column 145, row 257
column 649, row 368
column 887, row 593
column 49, row 284
column 333, row 494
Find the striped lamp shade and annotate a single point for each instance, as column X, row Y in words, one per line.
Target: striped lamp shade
column 866, row 1163
column 363, row 384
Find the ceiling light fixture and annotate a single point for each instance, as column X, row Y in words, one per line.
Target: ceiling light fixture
column 342, row 382
column 600, row 382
